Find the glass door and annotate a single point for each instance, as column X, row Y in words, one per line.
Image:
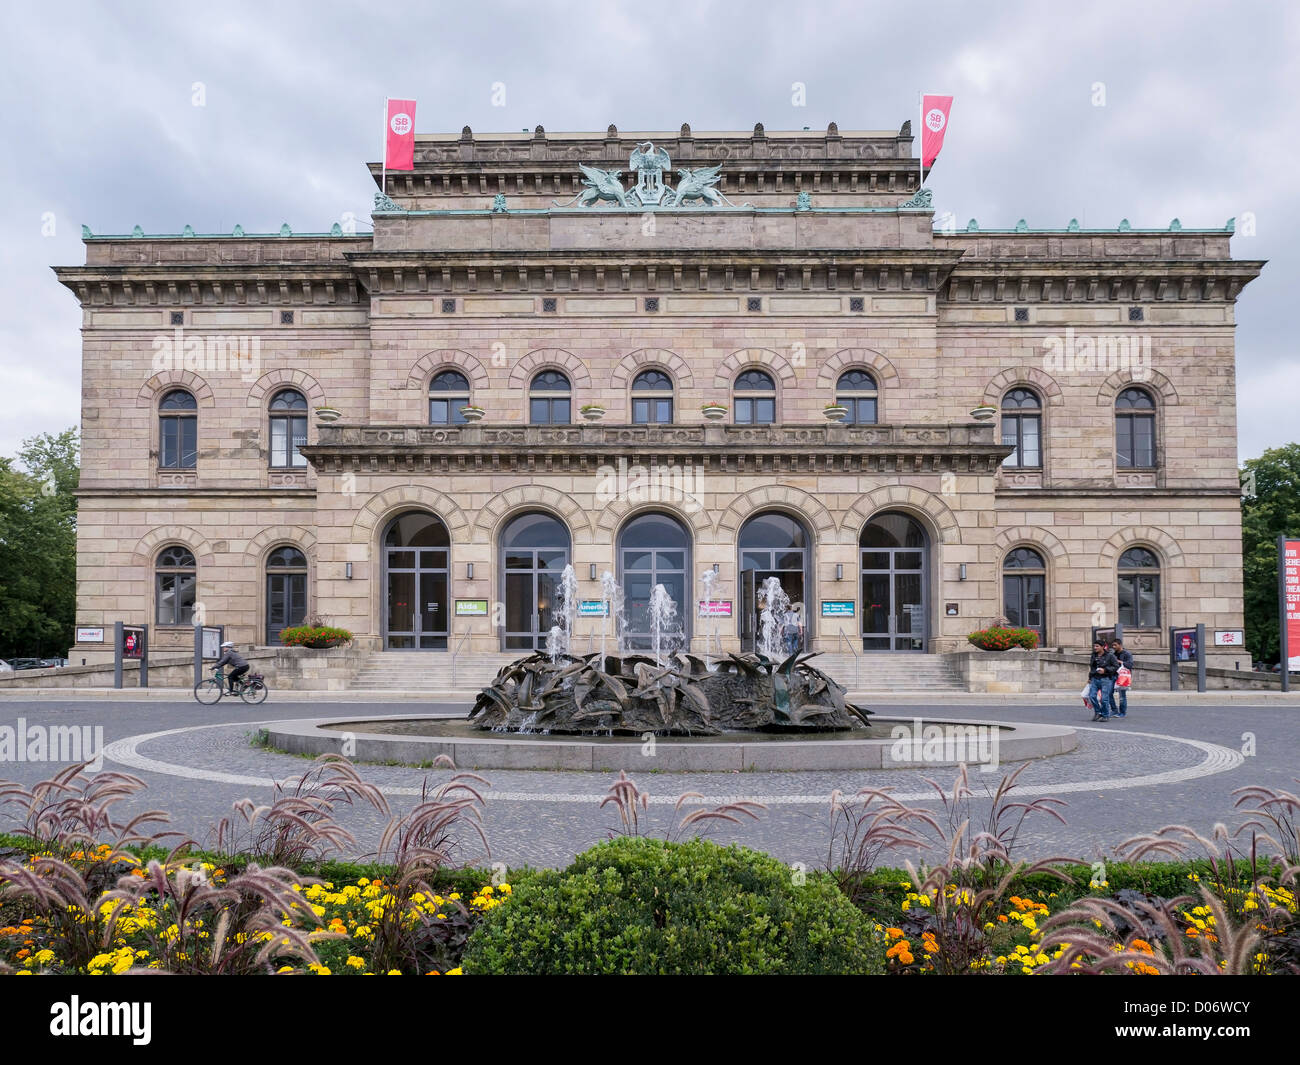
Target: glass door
column 893, row 600
column 417, row 600
column 532, row 590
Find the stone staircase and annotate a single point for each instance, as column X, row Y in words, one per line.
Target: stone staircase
column 428, row 671
column 431, row 672
column 891, row 671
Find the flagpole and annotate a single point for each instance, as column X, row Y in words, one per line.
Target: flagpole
column 920, row 141
column 383, row 180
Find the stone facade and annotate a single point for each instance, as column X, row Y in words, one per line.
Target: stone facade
column 856, row 277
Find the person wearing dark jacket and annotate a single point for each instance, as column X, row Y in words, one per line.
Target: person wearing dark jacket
column 231, row 657
column 1118, row 695
column 1103, row 667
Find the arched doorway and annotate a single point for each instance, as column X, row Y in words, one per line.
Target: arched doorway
column 417, row 562
column 653, row 549
column 534, row 552
column 773, row 545
column 893, row 551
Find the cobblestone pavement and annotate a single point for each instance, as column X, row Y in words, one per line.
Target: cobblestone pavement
column 198, row 760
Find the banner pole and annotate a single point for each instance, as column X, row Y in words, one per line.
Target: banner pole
column 920, row 140
column 1284, row 651
column 383, row 179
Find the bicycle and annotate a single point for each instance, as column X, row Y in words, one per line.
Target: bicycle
column 251, row 688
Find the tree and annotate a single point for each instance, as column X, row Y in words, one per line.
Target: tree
column 38, row 546
column 1270, row 508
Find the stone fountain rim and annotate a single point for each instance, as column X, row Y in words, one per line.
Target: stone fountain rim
column 1017, row 742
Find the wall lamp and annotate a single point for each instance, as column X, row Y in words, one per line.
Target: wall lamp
column 961, row 572
column 839, row 571
column 593, row 571
column 347, row 570
column 469, row 570
column 715, row 567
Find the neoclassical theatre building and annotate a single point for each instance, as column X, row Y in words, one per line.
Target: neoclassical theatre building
column 660, row 354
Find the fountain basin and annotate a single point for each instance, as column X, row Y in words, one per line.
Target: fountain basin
column 416, row 740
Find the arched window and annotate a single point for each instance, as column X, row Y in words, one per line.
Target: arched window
column 771, row 545
column 549, row 399
column 175, row 582
column 856, row 389
column 1135, row 429
column 1022, row 428
column 286, row 591
column 417, row 570
column 288, row 428
column 652, row 401
column 535, row 550
column 448, row 392
column 893, row 554
column 178, row 431
column 755, row 399
column 654, row 549
column 1139, row 589
column 1024, row 591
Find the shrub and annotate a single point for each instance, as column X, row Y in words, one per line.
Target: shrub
column 1002, row 639
column 647, row 906
column 317, row 636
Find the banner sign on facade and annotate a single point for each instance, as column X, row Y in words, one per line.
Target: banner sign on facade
column 471, row 608
column 593, row 608
column 1229, row 638
column 715, row 608
column 1288, row 553
column 90, row 635
column 838, row 608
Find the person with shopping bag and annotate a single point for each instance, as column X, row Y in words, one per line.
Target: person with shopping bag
column 1123, row 679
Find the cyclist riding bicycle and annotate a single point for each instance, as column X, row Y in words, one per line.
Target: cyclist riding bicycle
column 229, row 656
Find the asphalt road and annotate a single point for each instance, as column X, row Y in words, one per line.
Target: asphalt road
column 1190, row 759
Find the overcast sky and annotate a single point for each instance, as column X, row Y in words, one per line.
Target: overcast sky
column 100, row 127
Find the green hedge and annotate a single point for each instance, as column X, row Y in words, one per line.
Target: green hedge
column 645, row 906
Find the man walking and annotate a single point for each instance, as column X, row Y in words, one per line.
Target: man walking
column 1119, row 693
column 1103, row 667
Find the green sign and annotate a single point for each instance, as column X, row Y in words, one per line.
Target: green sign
column 471, row 608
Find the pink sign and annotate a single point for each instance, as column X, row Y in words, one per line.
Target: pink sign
column 715, row 608
column 1291, row 600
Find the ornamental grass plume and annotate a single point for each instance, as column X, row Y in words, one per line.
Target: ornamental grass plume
column 860, row 833
column 631, row 802
column 298, row 825
column 414, row 929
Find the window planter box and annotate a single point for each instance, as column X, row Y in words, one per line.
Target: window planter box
column 715, row 412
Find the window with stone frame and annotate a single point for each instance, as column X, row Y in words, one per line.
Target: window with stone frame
column 857, row 390
column 448, row 393
column 288, row 417
column 1138, row 593
column 1022, row 428
column 754, row 398
column 178, row 431
column 1135, row 429
column 652, row 398
column 175, row 584
column 550, row 399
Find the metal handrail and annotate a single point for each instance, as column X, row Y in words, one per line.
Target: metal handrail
column 456, row 653
column 857, row 659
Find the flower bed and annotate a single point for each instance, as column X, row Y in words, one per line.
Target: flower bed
column 314, row 636
column 1003, row 639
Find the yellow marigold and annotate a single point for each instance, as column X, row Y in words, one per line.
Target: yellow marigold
column 892, row 933
column 354, row 962
column 455, row 972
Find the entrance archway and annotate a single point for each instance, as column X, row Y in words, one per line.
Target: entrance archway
column 773, row 544
column 894, row 558
column 653, row 549
column 417, row 564
column 534, row 552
